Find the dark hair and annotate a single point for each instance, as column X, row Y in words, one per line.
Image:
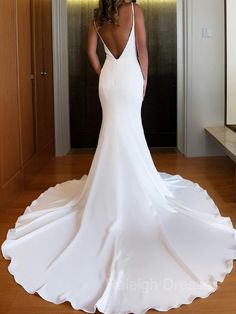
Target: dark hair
column 107, row 11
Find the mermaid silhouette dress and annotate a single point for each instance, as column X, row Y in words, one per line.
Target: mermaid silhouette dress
column 125, row 238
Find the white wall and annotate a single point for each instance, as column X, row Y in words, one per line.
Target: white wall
column 231, row 62
column 204, row 75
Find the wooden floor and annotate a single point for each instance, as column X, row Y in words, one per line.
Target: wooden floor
column 215, row 174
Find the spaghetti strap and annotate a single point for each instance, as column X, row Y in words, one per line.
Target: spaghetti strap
column 95, row 27
column 98, row 32
column 94, row 24
column 133, row 17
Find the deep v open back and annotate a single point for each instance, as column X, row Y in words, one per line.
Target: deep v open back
column 126, row 46
column 121, row 79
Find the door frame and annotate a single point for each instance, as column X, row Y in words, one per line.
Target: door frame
column 61, row 76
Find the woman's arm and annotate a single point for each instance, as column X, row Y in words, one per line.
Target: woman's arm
column 92, row 48
column 140, row 34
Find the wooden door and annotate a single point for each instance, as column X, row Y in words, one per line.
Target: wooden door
column 43, row 74
column 26, row 96
column 17, row 141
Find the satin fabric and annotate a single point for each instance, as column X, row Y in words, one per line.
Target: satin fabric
column 125, row 238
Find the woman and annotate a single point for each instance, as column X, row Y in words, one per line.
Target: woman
column 115, row 37
column 125, row 238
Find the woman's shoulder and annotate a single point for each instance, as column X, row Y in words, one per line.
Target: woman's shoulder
column 138, row 9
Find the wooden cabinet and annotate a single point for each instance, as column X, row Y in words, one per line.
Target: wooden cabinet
column 26, row 96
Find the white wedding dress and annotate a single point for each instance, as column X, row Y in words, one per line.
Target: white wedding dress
column 125, row 238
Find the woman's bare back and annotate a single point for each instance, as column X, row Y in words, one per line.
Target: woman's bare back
column 116, row 37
